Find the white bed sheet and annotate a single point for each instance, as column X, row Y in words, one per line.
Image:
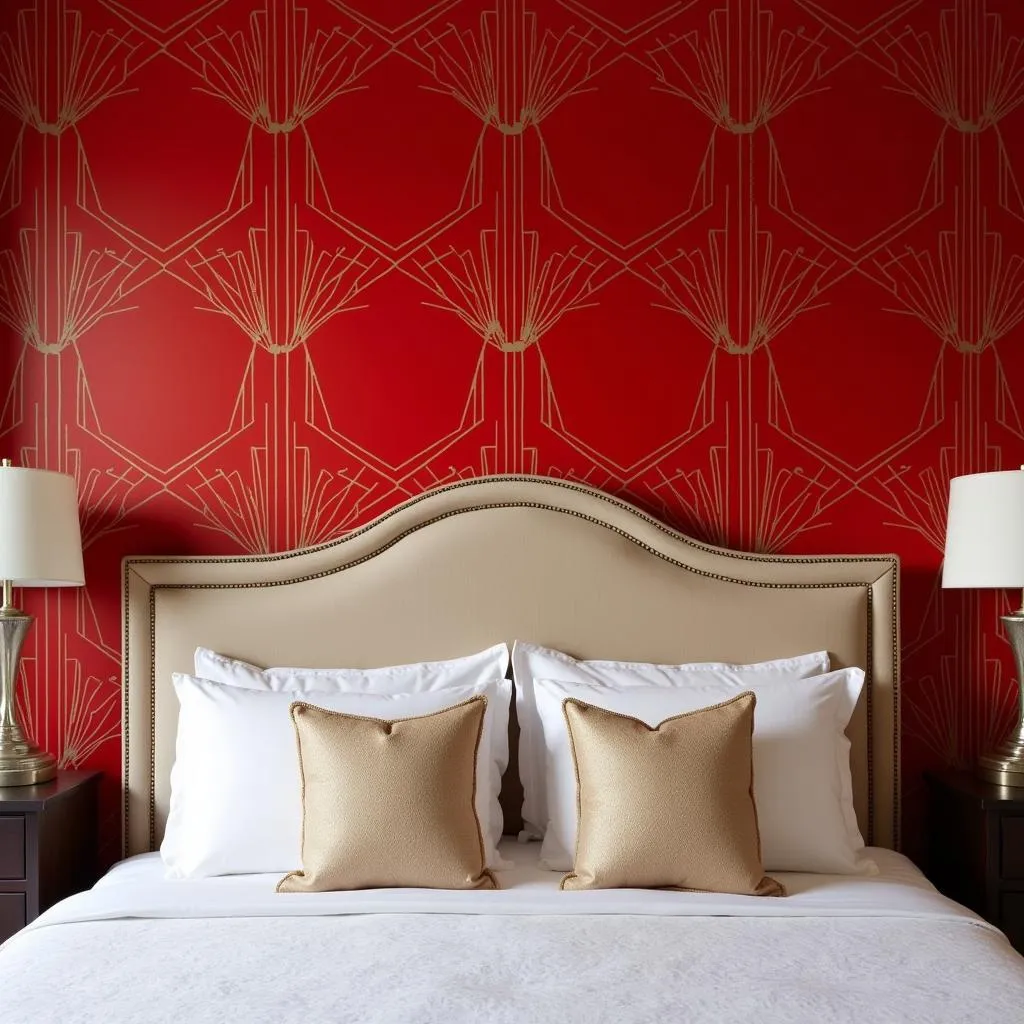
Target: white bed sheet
column 137, row 888
column 139, row 948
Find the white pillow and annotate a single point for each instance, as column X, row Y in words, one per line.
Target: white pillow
column 531, row 662
column 802, row 783
column 235, row 786
column 414, row 678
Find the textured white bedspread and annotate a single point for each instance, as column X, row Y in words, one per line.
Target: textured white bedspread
column 140, row 949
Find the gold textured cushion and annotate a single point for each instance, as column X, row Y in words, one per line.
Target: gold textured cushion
column 671, row 807
column 389, row 803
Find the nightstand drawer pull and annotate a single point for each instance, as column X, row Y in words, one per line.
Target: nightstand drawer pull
column 12, row 846
column 12, row 913
column 1012, row 852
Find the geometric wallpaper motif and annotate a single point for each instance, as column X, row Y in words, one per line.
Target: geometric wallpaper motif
column 269, row 267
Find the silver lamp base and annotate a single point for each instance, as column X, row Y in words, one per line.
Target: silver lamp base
column 1005, row 765
column 21, row 763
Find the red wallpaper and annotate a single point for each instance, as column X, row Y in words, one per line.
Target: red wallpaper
column 267, row 267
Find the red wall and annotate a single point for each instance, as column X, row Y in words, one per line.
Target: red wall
column 268, row 267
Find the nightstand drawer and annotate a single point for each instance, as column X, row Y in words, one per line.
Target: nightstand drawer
column 1011, row 917
column 12, row 913
column 1011, row 852
column 12, row 846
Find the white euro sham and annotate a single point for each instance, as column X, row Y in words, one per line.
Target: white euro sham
column 531, row 662
column 235, row 803
column 416, row 677
column 802, row 782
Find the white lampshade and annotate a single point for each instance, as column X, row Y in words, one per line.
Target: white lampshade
column 985, row 531
column 40, row 539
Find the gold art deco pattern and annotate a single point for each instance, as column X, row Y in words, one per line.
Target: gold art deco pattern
column 267, row 267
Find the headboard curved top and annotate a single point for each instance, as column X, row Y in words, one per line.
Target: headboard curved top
column 470, row 564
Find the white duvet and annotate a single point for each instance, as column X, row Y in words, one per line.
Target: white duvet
column 138, row 948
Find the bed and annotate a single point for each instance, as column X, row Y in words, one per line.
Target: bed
column 453, row 571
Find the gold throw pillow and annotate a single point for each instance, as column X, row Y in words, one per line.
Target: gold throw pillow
column 671, row 807
column 389, row 803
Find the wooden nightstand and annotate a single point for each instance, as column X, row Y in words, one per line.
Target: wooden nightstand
column 47, row 845
column 976, row 847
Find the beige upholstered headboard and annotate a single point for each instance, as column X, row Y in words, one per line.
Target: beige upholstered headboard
column 465, row 566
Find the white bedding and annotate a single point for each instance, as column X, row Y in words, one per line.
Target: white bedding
column 139, row 948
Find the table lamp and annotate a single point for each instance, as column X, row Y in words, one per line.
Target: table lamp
column 40, row 546
column 985, row 548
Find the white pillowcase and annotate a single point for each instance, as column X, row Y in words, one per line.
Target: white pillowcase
column 235, row 786
column 531, row 662
column 414, row 678
column 802, row 782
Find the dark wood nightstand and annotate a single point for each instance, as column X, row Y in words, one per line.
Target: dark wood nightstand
column 47, row 845
column 976, row 847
